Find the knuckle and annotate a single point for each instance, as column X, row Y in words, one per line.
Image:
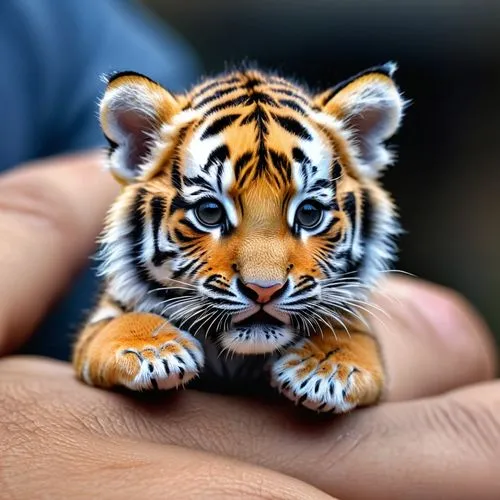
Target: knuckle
column 473, row 426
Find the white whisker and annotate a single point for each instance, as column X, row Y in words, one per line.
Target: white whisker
column 332, row 314
column 343, row 306
column 318, row 317
column 193, row 312
column 179, row 303
column 217, row 316
column 183, row 311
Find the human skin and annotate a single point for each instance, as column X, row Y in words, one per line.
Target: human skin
column 435, row 435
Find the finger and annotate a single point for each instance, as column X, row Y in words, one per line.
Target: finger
column 440, row 447
column 79, row 467
column 65, row 459
column 431, row 339
column 446, row 447
column 50, row 214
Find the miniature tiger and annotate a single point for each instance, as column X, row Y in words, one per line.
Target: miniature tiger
column 251, row 221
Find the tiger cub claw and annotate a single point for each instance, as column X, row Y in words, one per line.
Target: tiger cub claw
column 324, row 381
column 141, row 352
column 163, row 365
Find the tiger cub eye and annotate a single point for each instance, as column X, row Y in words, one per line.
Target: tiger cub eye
column 309, row 215
column 210, row 213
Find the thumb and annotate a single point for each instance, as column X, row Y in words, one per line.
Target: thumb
column 50, row 214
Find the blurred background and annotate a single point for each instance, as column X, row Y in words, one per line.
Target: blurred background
column 447, row 179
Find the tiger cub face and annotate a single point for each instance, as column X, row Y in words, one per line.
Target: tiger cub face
column 251, row 210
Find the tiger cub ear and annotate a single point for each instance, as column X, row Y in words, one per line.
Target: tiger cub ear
column 371, row 108
column 132, row 112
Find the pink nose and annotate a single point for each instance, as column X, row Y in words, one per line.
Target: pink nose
column 264, row 293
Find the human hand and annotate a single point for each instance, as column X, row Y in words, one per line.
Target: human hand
column 443, row 444
column 50, row 214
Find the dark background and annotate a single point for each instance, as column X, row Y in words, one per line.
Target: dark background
column 447, row 179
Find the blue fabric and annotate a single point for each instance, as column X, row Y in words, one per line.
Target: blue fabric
column 52, row 54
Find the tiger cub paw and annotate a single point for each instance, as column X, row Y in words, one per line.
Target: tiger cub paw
column 142, row 352
column 326, row 380
column 166, row 362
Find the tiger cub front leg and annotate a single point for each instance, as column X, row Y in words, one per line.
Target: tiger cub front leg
column 329, row 371
column 136, row 350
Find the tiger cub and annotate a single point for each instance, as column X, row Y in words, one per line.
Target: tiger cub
column 250, row 221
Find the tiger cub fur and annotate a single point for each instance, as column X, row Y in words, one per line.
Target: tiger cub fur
column 251, row 220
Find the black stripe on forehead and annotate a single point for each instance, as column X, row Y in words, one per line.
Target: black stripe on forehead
column 219, row 125
column 213, row 84
column 241, row 163
column 197, row 180
column 217, row 156
column 292, row 104
column 247, row 99
column 282, row 165
column 252, row 81
column 260, row 118
column 290, row 93
column 262, row 98
column 244, row 177
column 305, row 165
column 216, row 95
column 292, row 126
column 230, row 103
column 299, row 156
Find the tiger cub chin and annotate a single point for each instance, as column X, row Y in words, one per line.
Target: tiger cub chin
column 251, row 221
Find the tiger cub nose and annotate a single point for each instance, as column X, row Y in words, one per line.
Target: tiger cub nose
column 262, row 291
